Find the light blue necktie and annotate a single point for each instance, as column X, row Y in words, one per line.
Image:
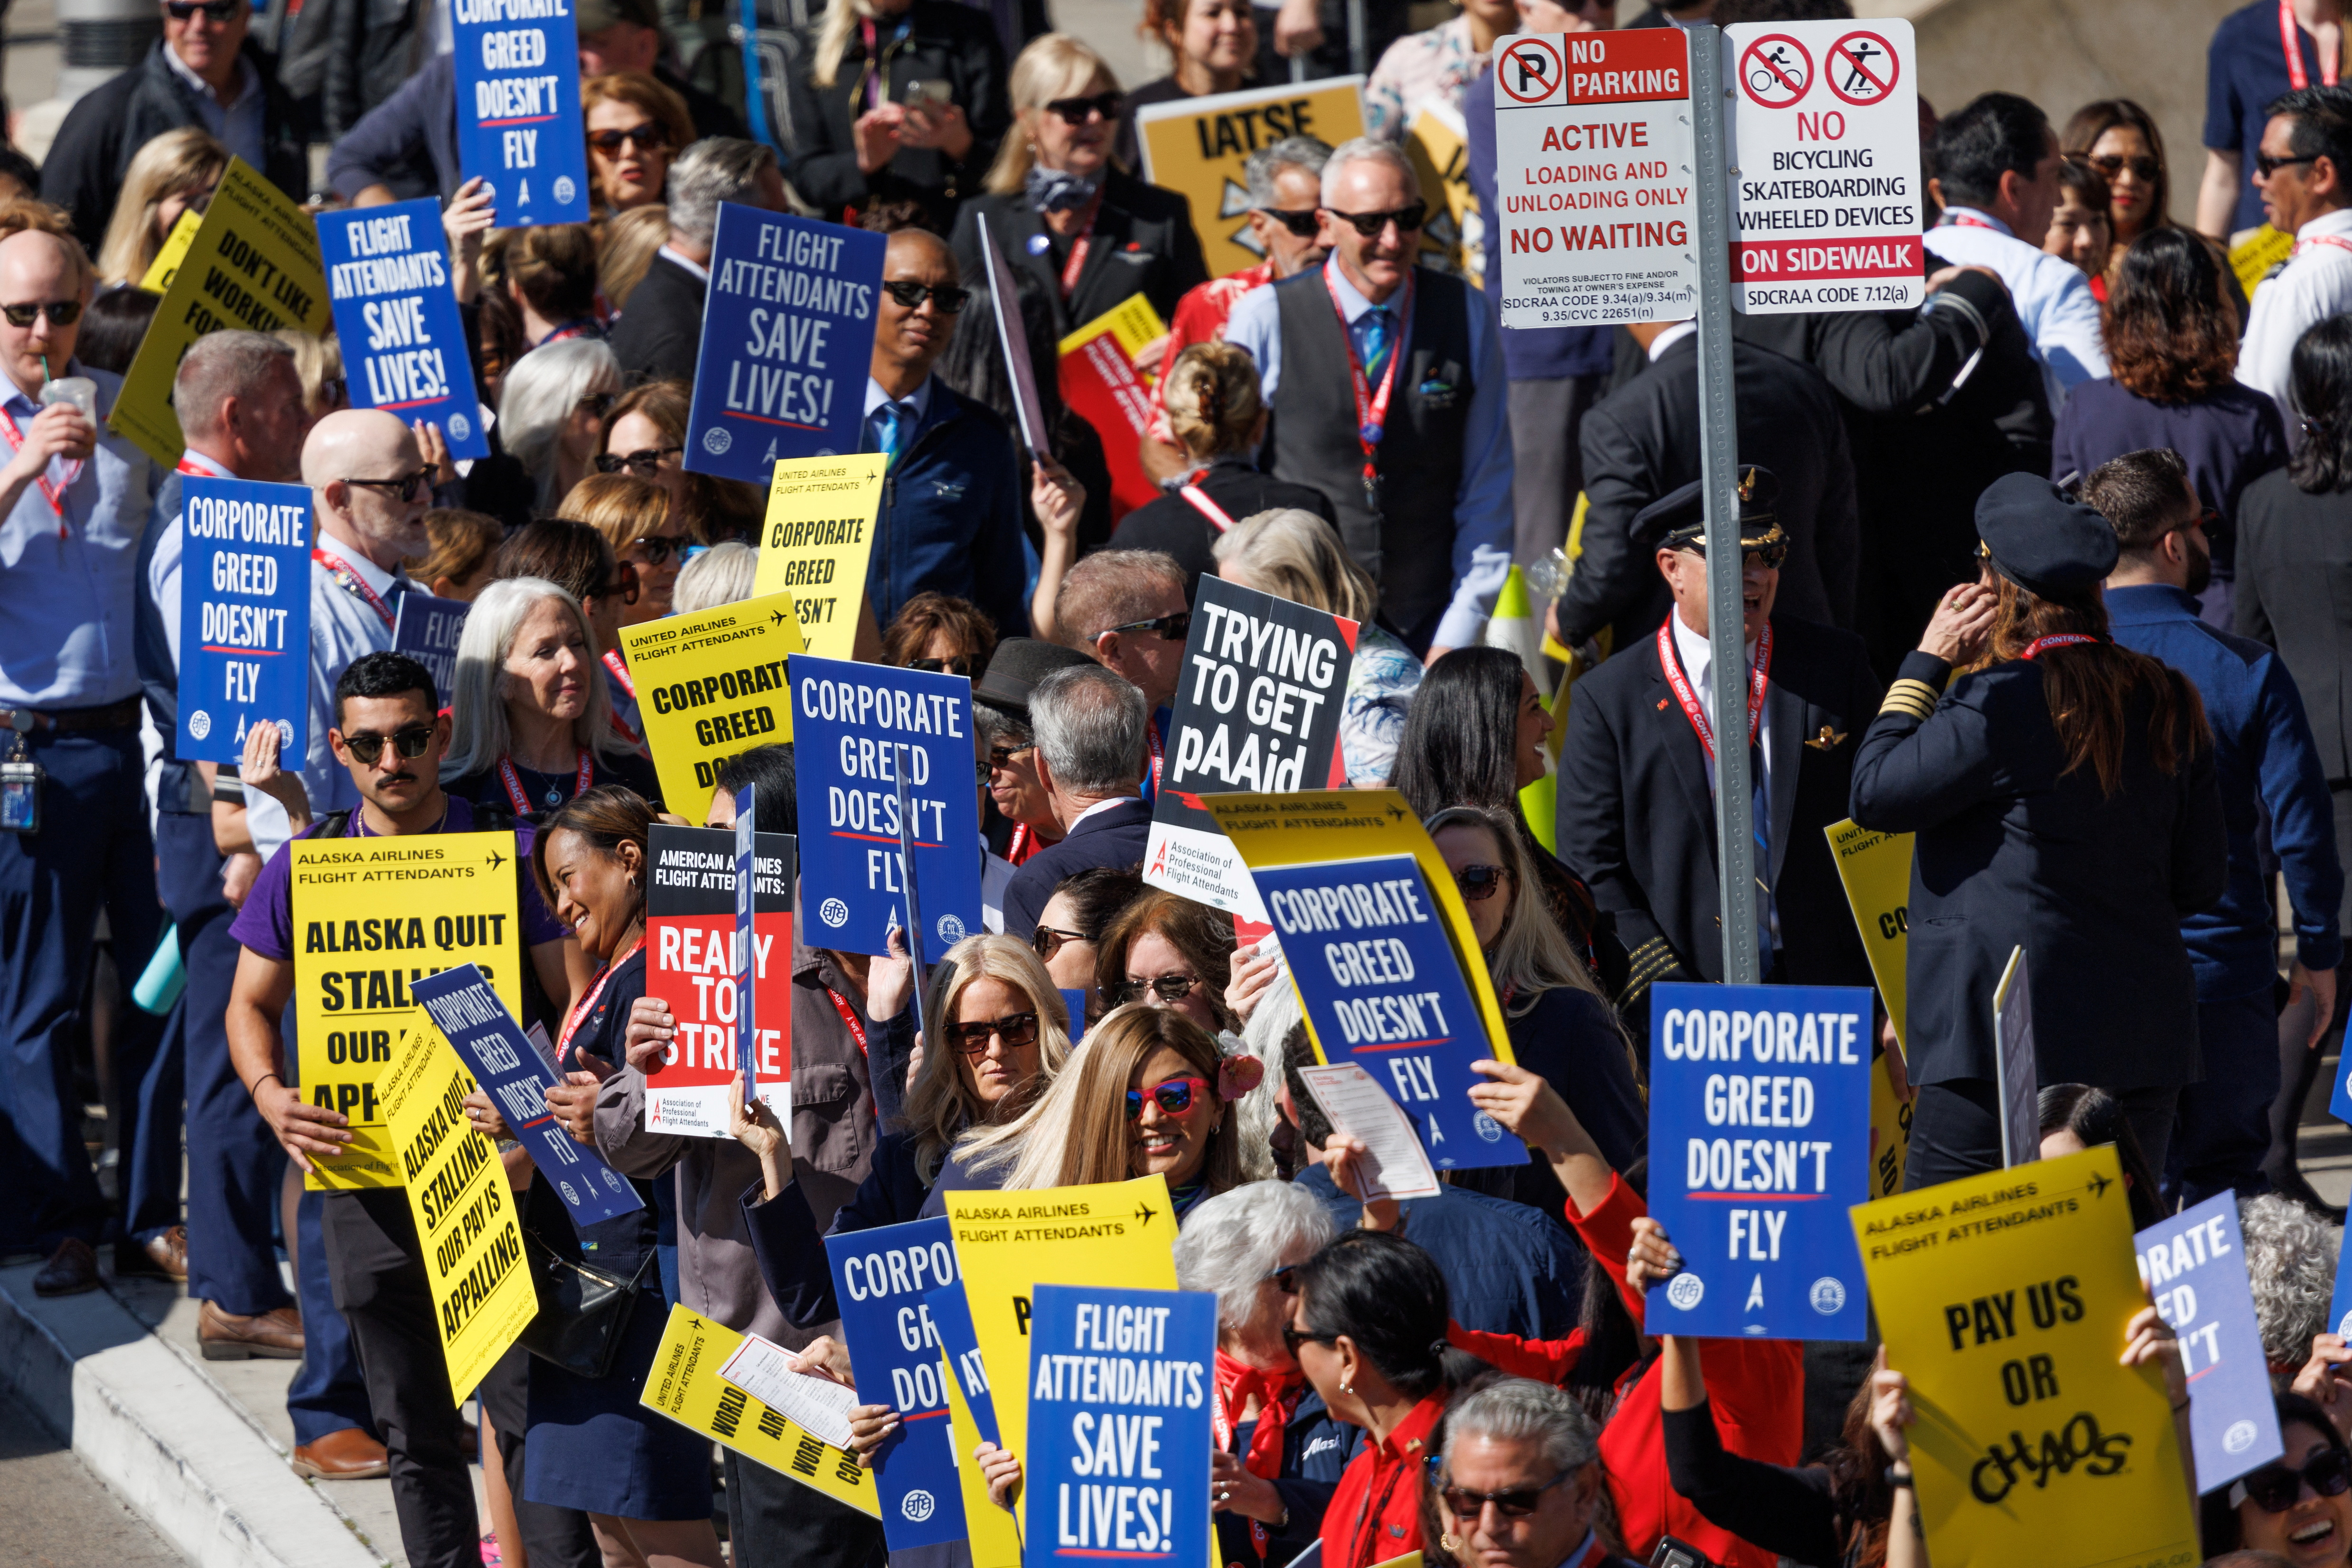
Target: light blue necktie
column 892, row 421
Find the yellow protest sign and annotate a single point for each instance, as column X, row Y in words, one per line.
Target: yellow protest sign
column 1454, row 237
column 466, row 1227
column 1876, row 870
column 1315, row 825
column 1119, row 1233
column 993, row 1533
column 254, row 262
column 1198, row 146
column 815, row 540
column 174, row 251
column 684, row 1385
column 2254, row 251
column 710, row 684
column 371, row 916
column 2002, row 1298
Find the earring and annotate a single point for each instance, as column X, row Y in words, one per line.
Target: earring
column 1346, row 1386
column 1451, row 1542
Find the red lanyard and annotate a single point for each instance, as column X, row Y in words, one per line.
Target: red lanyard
column 2296, row 76
column 521, row 802
column 1217, row 515
column 618, row 668
column 341, row 570
column 1152, row 739
column 586, row 1005
column 1962, row 221
column 2339, row 241
column 1078, row 249
column 2041, row 645
column 55, row 494
column 1759, row 681
column 188, row 466
column 848, row 1015
column 1014, row 851
column 1372, row 407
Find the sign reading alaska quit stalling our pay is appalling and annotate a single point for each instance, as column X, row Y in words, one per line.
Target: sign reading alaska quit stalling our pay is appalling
column 371, row 916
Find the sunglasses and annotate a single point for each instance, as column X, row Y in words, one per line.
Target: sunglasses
column 1302, row 225
column 597, row 404
column 949, row 299
column 1478, row 883
column 1015, row 1029
column 409, row 740
column 1292, row 1338
column 214, row 10
column 60, row 312
column 1284, row 1279
column 1771, row 556
column 407, row 487
column 658, row 547
column 1407, row 219
column 644, row 463
column 1004, row 755
column 1076, row 111
column 2114, row 163
column 1049, row 940
column 1171, row 988
column 1512, row 1502
column 1175, row 628
column 953, row 665
column 645, row 138
column 2266, row 165
column 1175, row 1096
column 980, row 771
column 624, row 582
column 2276, row 1488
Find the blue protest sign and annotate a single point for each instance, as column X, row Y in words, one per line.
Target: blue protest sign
column 855, row 727
column 519, row 124
column 2194, row 1265
column 880, row 1278
column 245, row 616
column 951, row 1317
column 1760, row 1141
column 467, row 1013
column 1075, row 1002
column 404, row 346
column 787, row 337
column 1381, row 985
column 1119, row 1390
column 428, row 630
column 746, row 990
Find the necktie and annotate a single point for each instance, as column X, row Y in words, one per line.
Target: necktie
column 892, row 421
column 1380, row 332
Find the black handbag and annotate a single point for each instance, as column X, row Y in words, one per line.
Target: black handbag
column 583, row 1312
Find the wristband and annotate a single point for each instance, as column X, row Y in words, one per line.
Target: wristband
column 1893, row 1480
column 254, row 1088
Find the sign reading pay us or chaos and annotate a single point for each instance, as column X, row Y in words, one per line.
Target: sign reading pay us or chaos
column 371, row 916
column 815, row 540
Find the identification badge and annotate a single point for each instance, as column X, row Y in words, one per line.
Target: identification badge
column 20, row 794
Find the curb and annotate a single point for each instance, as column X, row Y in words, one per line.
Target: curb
column 160, row 1435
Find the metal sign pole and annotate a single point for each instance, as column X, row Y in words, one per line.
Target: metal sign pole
column 1719, row 470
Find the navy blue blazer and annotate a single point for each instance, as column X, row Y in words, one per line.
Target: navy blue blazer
column 1507, row 1268
column 1113, row 837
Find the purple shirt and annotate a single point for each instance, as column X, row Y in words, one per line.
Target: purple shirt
column 265, row 924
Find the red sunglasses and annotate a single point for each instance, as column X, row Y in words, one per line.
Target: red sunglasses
column 1175, row 1096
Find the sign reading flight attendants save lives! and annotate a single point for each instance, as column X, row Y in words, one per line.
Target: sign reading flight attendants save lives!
column 857, row 725
column 1760, row 1141
column 2194, row 1264
column 519, row 124
column 690, row 966
column 404, row 346
column 1595, row 172
column 428, row 631
column 880, row 1278
column 1824, row 162
column 787, row 337
column 1257, row 710
column 245, row 616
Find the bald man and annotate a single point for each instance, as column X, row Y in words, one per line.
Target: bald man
column 952, row 512
column 73, row 503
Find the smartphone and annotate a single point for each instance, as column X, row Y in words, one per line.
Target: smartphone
column 1672, row 1554
column 935, row 93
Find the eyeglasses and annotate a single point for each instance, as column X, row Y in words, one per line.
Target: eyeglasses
column 60, row 312
column 407, row 487
column 1511, row 1502
column 1048, row 940
column 1478, row 883
column 1170, row 988
column 911, row 294
column 624, row 582
column 1292, row 1338
column 1174, row 1096
column 1771, row 556
column 1075, row 110
column 1004, row 755
column 2114, row 163
column 2275, row 1488
column 981, row 770
column 1302, row 225
column 645, row 464
column 410, row 740
column 214, row 10
column 1408, row 220
column 1175, row 628
column 1016, row 1030
column 597, row 403
column 2266, row 165
column 1284, row 1279
column 953, row 665
column 645, row 138
column 658, row 547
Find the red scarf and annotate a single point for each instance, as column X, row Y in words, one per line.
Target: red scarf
column 1278, row 1393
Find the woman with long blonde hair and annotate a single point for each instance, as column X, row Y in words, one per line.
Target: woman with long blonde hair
column 172, row 174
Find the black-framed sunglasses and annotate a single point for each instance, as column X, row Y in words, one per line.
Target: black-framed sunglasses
column 953, row 665
column 947, row 297
column 1175, row 628
column 647, row 138
column 1511, row 1502
column 1478, row 883
column 1016, row 1030
column 1771, row 556
column 598, row 404
column 1292, row 1338
column 409, row 740
column 624, row 582
column 1170, row 989
column 1302, row 225
column 2114, row 163
column 1048, row 940
column 1004, row 755
column 658, row 547
column 60, row 312
column 1075, row 110
column 406, row 488
column 215, row 11
column 2275, row 1488
column 2266, row 165
column 1408, row 220
column 644, row 463
column 981, row 770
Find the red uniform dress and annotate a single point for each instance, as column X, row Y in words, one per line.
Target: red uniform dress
column 1756, row 1389
column 1376, row 1513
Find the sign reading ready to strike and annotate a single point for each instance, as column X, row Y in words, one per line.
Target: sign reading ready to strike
column 245, row 616
column 403, row 345
column 1593, row 178
column 690, row 966
column 1760, row 1137
column 519, row 124
column 1825, row 166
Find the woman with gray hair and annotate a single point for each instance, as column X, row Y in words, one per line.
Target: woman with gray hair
column 1279, row 1454
column 1516, row 1484
column 551, row 413
column 720, row 575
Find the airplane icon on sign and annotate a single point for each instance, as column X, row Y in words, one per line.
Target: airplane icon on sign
column 497, row 859
column 1143, row 1213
